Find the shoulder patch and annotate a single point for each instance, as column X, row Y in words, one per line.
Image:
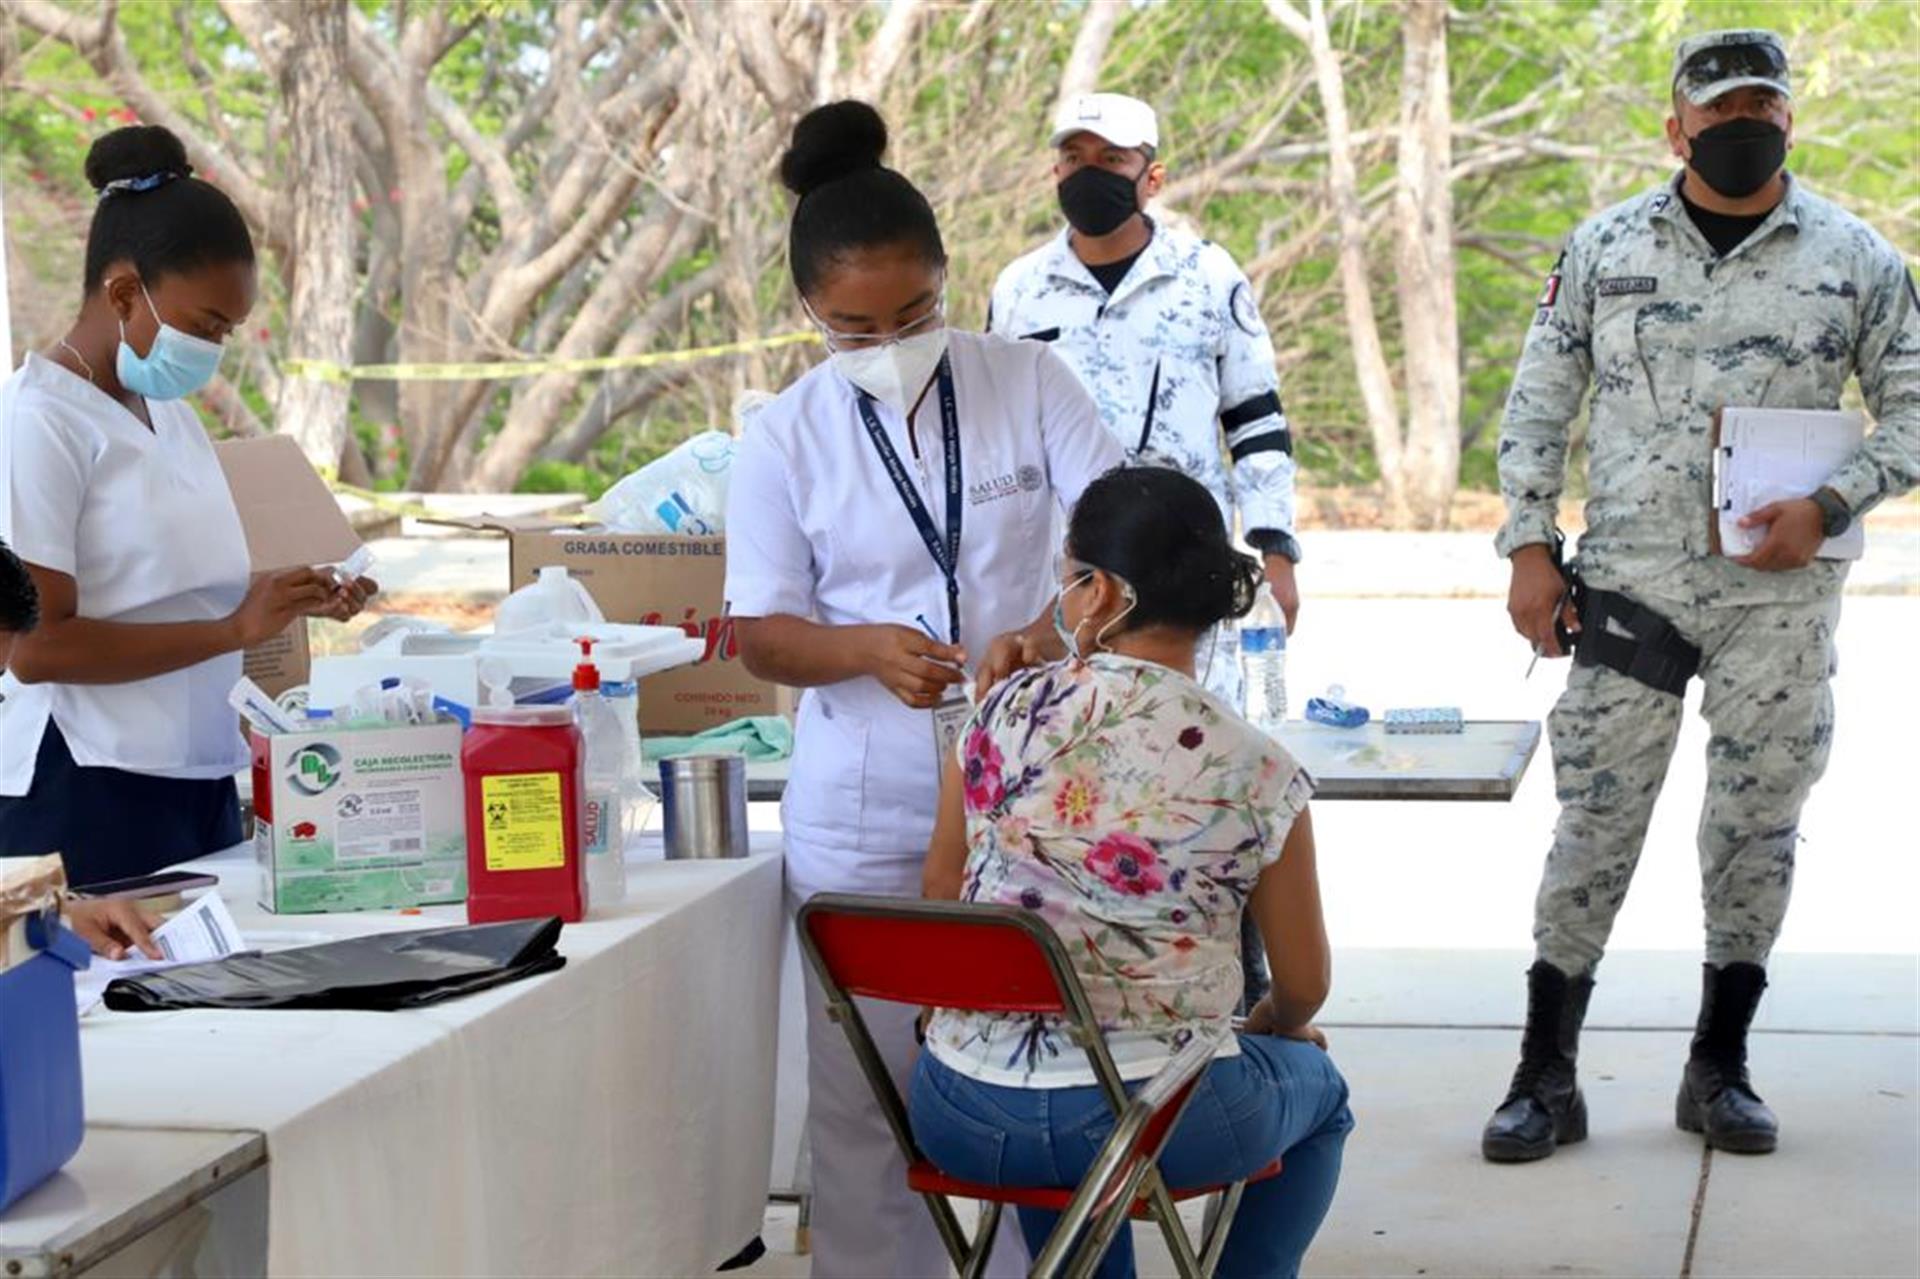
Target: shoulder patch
column 1551, row 293
column 1614, row 286
column 1659, row 202
column 1246, row 314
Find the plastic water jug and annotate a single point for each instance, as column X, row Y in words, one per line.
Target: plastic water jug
column 554, row 596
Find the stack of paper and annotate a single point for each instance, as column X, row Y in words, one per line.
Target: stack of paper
column 203, row 931
column 1774, row 455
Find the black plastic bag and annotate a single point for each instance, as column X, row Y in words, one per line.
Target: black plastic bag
column 378, row 973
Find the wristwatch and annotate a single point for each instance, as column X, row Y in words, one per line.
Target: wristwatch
column 1271, row 541
column 1836, row 517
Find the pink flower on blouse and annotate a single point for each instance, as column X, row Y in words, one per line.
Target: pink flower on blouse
column 1127, row 862
column 984, row 785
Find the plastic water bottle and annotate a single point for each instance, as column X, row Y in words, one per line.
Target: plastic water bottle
column 602, row 828
column 1263, row 663
column 637, row 799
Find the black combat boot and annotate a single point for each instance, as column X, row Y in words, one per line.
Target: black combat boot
column 1544, row 1107
column 1715, row 1096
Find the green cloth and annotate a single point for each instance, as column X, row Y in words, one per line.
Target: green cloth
column 760, row 738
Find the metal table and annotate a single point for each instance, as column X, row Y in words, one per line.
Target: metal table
column 1483, row 763
column 144, row 1192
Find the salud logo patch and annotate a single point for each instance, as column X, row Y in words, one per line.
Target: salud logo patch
column 993, row 490
column 1619, row 284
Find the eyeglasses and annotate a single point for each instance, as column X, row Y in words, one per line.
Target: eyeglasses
column 934, row 316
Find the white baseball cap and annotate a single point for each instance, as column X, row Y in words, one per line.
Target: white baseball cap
column 1123, row 121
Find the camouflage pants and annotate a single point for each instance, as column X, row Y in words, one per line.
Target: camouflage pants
column 1770, row 713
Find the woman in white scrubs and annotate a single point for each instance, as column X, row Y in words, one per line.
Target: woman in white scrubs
column 117, row 746
column 890, row 519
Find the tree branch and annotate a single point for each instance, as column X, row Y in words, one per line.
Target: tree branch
column 1082, row 74
column 889, row 44
column 103, row 46
column 202, row 77
column 1292, row 19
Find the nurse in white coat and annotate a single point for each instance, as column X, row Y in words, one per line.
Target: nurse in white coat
column 889, row 521
column 117, row 746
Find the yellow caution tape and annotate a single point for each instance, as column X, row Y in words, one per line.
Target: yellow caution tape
column 497, row 370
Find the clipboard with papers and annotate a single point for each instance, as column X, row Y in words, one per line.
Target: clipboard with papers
column 1772, row 455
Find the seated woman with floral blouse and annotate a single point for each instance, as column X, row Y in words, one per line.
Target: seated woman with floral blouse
column 1139, row 816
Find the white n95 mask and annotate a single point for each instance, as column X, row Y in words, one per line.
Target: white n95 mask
column 894, row 373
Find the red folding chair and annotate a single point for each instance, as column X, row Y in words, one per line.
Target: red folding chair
column 1001, row 959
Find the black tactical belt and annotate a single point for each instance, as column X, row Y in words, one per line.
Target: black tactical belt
column 1624, row 636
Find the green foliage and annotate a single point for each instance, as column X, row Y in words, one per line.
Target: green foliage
column 563, row 477
column 1578, row 86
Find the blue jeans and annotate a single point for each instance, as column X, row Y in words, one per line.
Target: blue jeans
column 1278, row 1097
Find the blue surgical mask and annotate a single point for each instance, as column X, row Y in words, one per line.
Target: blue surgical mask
column 174, row 367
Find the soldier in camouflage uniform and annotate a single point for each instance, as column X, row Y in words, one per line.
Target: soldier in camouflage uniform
column 1732, row 285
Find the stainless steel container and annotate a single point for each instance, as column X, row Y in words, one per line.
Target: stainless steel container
column 705, row 799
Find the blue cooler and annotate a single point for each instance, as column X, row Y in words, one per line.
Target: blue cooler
column 41, row 1117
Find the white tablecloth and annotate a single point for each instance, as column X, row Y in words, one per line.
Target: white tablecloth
column 614, row 1117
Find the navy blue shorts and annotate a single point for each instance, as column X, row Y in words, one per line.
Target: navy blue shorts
column 110, row 824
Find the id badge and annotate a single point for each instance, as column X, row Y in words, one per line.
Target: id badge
column 949, row 721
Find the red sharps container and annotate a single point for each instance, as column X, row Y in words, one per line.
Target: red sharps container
column 525, row 855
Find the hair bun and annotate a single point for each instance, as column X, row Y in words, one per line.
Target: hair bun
column 135, row 152
column 831, row 142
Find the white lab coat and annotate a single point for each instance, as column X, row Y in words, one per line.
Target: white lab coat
column 815, row 529
column 144, row 523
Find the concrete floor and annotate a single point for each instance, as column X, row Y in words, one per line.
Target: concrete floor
column 1839, row 1061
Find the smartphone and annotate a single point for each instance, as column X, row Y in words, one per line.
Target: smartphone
column 164, row 884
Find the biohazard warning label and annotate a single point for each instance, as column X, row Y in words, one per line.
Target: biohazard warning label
column 523, row 826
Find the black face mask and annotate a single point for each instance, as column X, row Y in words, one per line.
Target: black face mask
column 1098, row 201
column 1739, row 157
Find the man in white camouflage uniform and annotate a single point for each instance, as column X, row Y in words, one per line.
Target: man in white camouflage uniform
column 1732, row 285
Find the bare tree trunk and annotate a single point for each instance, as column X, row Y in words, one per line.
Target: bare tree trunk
column 1363, row 328
column 1423, row 216
column 888, row 46
column 313, row 80
column 1082, row 74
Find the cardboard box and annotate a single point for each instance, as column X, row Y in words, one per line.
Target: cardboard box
column 656, row 580
column 364, row 819
column 291, row 521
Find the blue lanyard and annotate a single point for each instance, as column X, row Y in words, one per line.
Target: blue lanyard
column 946, row 555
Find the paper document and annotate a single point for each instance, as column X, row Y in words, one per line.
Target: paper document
column 1773, row 455
column 203, row 931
